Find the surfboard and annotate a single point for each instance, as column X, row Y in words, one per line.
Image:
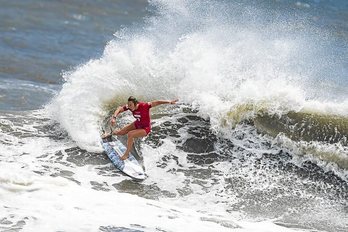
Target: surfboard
column 114, row 149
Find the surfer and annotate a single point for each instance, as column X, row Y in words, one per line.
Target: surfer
column 141, row 127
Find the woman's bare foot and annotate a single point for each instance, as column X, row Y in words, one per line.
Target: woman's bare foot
column 125, row 156
column 106, row 135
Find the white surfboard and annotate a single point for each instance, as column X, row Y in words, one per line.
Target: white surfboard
column 115, row 149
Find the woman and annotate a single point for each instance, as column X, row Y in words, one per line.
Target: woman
column 141, row 127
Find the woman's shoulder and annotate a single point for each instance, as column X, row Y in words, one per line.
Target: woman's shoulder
column 144, row 104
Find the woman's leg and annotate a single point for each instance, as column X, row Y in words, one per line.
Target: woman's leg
column 122, row 131
column 131, row 136
column 125, row 129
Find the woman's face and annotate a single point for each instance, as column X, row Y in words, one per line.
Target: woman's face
column 131, row 105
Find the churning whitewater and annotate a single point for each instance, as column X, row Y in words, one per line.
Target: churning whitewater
column 258, row 141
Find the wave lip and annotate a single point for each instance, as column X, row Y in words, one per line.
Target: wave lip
column 305, row 126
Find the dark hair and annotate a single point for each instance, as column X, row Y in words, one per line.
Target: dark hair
column 133, row 99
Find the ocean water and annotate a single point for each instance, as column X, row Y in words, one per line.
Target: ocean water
column 257, row 142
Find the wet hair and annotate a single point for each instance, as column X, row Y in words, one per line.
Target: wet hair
column 133, row 99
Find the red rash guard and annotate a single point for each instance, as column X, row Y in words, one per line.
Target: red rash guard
column 142, row 116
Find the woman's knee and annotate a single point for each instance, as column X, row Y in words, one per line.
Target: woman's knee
column 125, row 130
column 136, row 133
column 130, row 134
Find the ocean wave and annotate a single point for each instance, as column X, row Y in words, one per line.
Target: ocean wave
column 303, row 125
column 305, row 132
column 217, row 63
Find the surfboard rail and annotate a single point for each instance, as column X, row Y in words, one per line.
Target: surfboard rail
column 115, row 149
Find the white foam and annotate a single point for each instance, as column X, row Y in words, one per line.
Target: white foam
column 46, row 203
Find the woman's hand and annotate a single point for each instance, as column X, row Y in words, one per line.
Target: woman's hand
column 174, row 101
column 113, row 120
